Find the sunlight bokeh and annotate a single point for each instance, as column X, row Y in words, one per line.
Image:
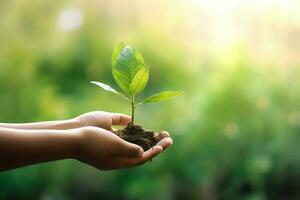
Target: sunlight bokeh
column 236, row 130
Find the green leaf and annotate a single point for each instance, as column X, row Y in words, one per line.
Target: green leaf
column 126, row 63
column 122, row 81
column 139, row 57
column 116, row 53
column 109, row 88
column 163, row 96
column 139, row 81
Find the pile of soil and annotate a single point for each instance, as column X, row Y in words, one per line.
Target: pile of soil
column 146, row 139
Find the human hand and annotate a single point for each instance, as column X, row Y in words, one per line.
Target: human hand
column 103, row 120
column 104, row 150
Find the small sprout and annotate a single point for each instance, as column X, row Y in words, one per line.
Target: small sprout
column 131, row 74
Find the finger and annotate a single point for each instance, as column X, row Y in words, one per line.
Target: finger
column 120, row 147
column 120, row 119
column 123, row 162
column 129, row 149
column 165, row 143
column 147, row 156
column 166, row 133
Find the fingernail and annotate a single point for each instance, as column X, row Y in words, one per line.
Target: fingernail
column 158, row 148
column 166, row 133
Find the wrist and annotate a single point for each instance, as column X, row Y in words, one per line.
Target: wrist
column 80, row 137
column 79, row 122
column 81, row 141
column 59, row 125
column 76, row 122
column 76, row 138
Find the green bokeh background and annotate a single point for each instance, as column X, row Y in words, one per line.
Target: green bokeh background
column 236, row 130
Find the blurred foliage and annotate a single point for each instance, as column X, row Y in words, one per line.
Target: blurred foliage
column 236, row 130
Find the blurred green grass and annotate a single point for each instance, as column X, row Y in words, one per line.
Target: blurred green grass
column 236, row 130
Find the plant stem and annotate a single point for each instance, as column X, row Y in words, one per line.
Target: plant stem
column 132, row 110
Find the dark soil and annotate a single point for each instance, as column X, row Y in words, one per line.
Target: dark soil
column 137, row 135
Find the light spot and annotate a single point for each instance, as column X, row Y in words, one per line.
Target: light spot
column 294, row 118
column 70, row 19
column 231, row 130
column 263, row 103
column 262, row 164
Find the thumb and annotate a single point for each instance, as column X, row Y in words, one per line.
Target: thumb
column 120, row 119
column 130, row 150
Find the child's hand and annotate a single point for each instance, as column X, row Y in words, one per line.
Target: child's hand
column 87, row 138
column 97, row 118
column 103, row 120
column 104, row 150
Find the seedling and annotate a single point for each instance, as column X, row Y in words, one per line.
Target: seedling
column 131, row 74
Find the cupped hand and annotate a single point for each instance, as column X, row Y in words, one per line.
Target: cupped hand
column 104, row 150
column 103, row 120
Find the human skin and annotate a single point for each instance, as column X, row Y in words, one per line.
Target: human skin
column 87, row 138
column 96, row 118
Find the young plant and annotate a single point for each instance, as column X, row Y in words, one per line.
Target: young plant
column 131, row 75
